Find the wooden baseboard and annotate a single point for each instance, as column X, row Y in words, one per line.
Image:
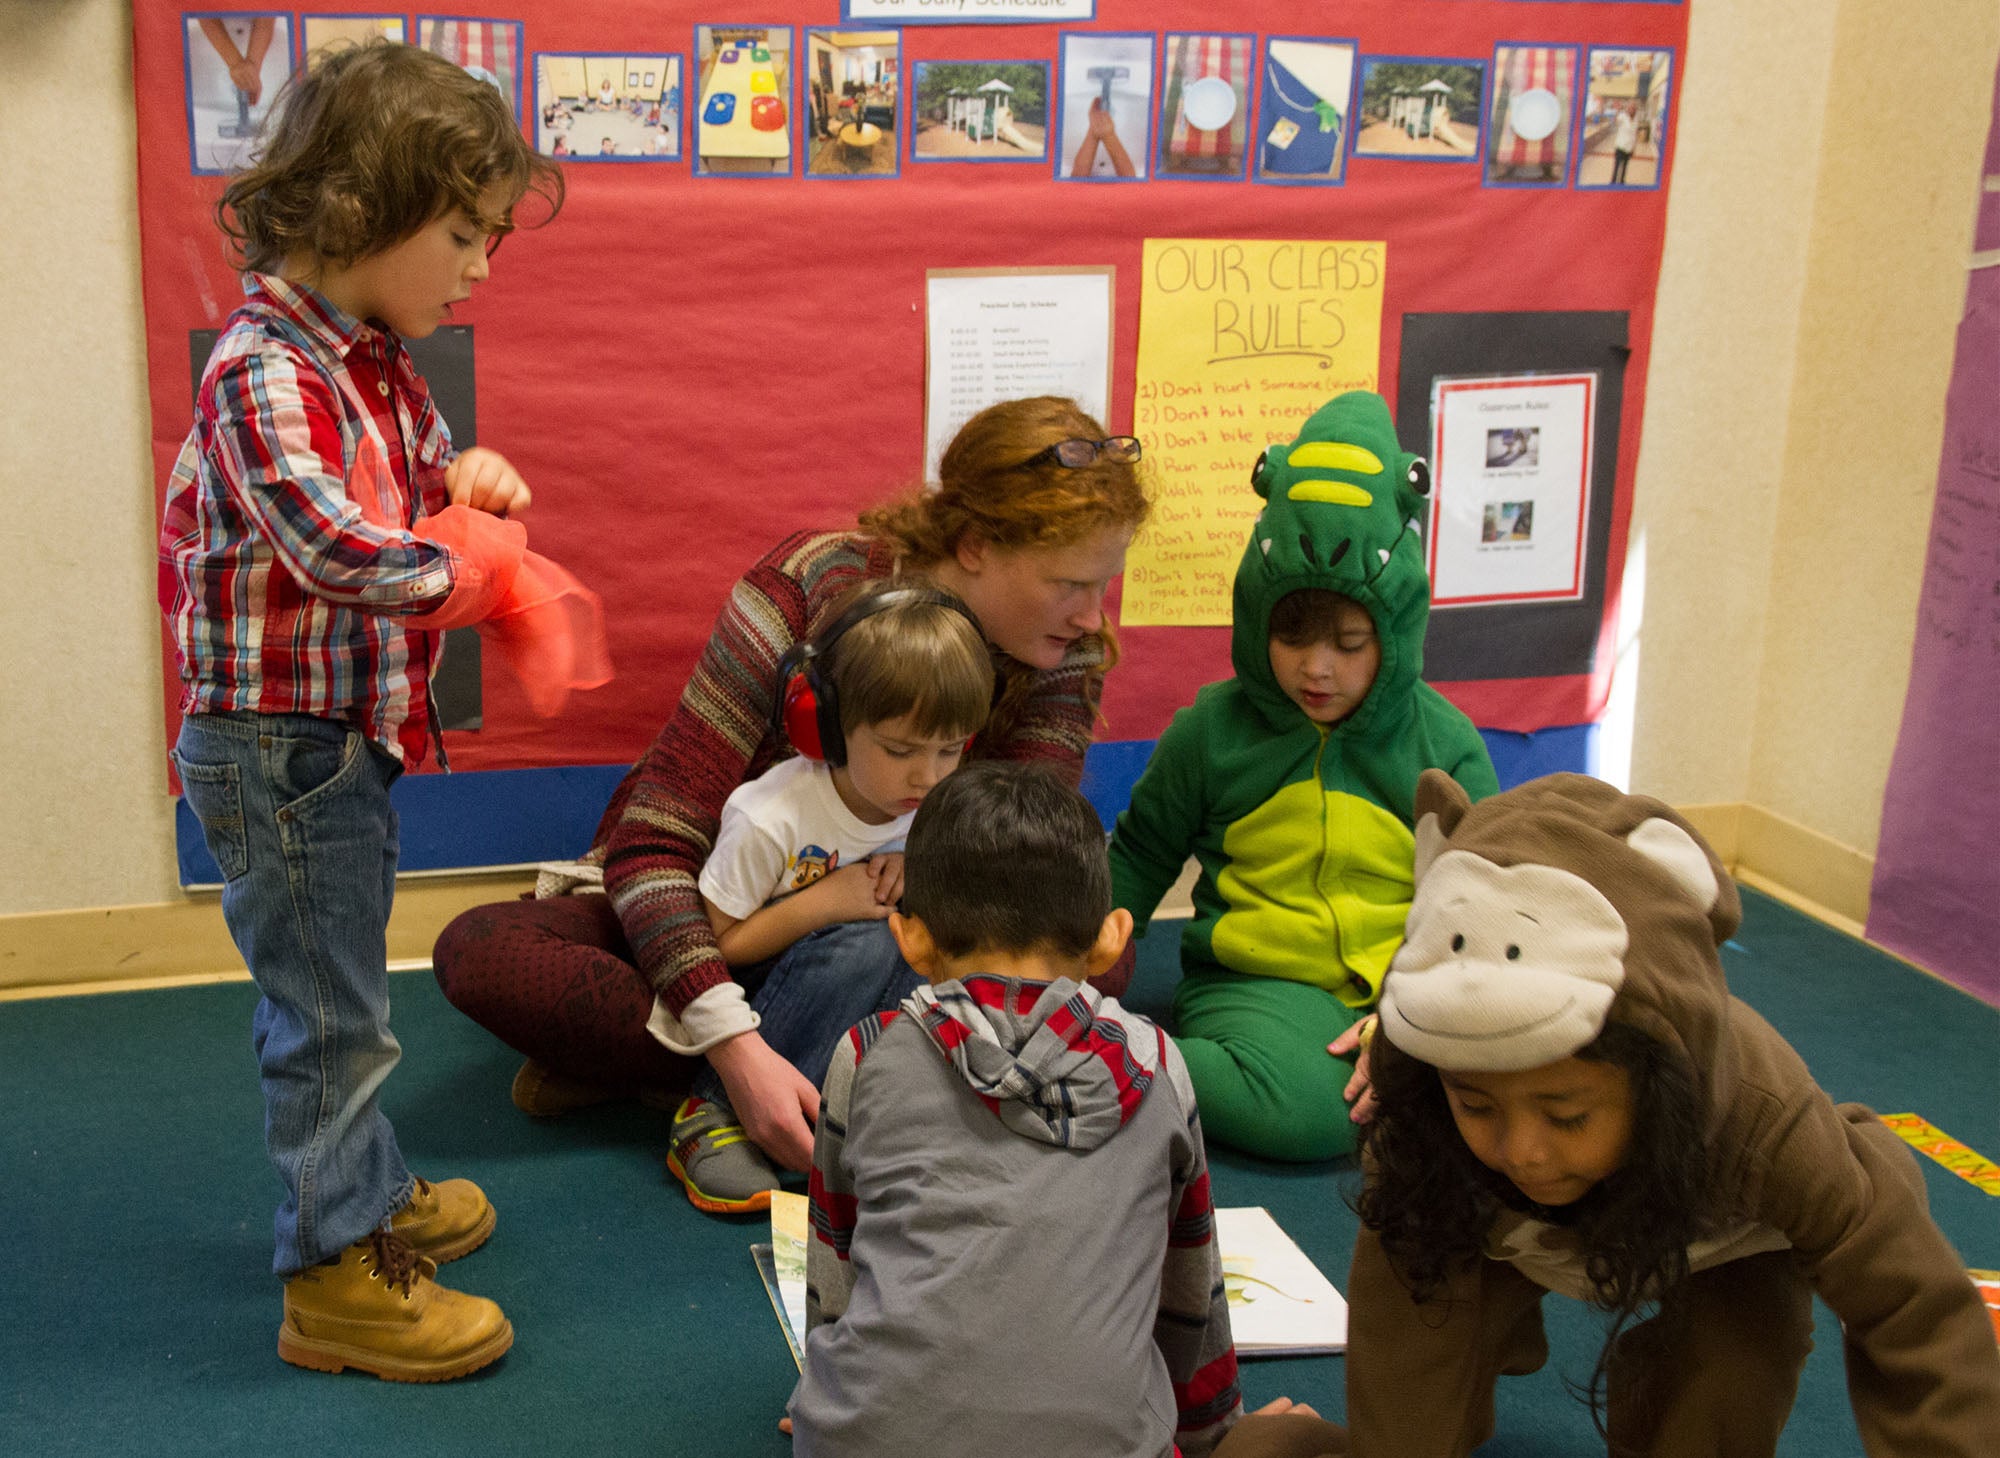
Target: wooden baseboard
column 172, row 943
column 1789, row 861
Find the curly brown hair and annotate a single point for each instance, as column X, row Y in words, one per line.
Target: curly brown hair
column 368, row 145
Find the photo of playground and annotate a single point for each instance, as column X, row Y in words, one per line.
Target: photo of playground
column 980, row 111
column 611, row 108
column 852, row 86
column 1205, row 112
column 1422, row 110
column 1534, row 98
column 1308, row 89
column 744, row 121
column 1624, row 118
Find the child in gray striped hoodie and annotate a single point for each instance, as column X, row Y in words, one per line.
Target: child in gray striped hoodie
column 1013, row 1247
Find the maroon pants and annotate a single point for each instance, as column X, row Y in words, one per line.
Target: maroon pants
column 555, row 980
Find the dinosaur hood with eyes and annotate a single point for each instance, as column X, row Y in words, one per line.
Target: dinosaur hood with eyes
column 1344, row 507
column 1304, row 831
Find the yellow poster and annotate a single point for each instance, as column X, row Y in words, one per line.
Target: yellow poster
column 1239, row 341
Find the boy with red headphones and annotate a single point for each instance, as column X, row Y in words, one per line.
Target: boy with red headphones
column 880, row 703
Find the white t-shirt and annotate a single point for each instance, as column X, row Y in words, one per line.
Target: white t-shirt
column 780, row 833
column 783, row 831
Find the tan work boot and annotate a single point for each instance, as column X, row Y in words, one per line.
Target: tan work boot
column 378, row 1308
column 445, row 1221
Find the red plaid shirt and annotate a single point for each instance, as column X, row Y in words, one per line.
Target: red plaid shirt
column 286, row 559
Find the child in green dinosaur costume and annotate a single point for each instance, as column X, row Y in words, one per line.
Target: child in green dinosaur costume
column 1293, row 783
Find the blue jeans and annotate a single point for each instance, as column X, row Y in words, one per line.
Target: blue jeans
column 296, row 812
column 818, row 988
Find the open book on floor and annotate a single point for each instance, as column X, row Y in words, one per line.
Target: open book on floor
column 1279, row 1303
column 782, row 1264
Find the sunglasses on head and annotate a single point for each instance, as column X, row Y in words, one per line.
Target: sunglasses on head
column 1076, row 454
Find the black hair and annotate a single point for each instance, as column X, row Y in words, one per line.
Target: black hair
column 1006, row 857
column 1431, row 1202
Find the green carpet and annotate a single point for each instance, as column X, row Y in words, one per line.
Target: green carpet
column 138, row 1315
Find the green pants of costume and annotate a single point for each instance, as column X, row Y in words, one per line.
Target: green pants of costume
column 1256, row 1052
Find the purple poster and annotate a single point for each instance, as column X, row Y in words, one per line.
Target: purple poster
column 1936, row 898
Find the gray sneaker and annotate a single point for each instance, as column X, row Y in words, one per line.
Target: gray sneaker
column 721, row 1170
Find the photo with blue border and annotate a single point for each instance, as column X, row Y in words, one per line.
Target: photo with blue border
column 924, row 72
column 204, row 67
column 347, row 24
column 869, row 111
column 661, row 98
column 1276, row 103
column 1141, row 155
column 425, row 40
column 1365, row 69
column 1496, row 102
column 1656, row 118
column 704, row 105
column 1165, row 167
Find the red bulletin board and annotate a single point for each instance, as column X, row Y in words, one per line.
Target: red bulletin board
column 685, row 368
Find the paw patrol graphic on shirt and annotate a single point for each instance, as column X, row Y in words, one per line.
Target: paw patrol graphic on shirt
column 809, row 864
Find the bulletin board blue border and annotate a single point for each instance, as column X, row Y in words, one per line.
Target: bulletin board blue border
column 488, row 818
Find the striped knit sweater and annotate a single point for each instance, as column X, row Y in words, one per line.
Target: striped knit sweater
column 662, row 821
column 1012, row 1247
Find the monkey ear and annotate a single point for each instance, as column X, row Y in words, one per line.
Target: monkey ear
column 1441, row 804
column 1680, row 855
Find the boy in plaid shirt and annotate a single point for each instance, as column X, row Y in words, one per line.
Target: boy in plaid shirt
column 1013, row 1248
column 319, row 532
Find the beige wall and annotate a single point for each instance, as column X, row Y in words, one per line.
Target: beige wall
column 1824, row 178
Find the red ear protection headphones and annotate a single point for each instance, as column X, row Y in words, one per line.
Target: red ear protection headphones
column 806, row 707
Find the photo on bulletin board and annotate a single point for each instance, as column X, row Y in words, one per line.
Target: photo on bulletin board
column 1624, row 118
column 979, row 111
column 236, row 65
column 1510, row 459
column 1420, row 110
column 1205, row 105
column 1534, row 99
column 1307, row 88
column 743, row 121
column 1105, row 126
column 622, row 107
column 1555, row 630
column 489, row 49
column 853, row 93
column 321, row 33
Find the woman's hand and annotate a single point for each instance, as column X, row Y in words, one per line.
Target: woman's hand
column 1360, row 1090
column 774, row 1102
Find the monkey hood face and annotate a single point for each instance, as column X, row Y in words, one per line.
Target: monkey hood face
column 1549, row 910
column 1344, row 511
